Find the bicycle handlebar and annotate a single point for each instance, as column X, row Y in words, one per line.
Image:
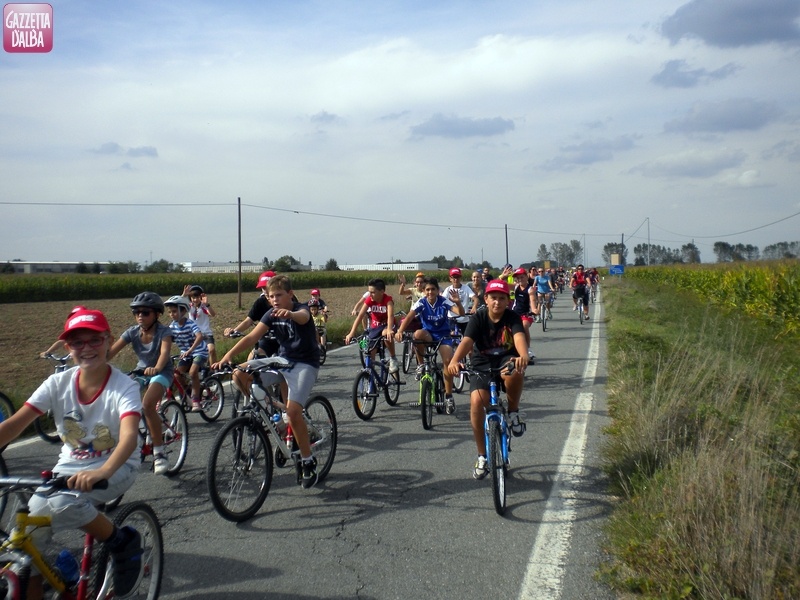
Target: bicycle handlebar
column 52, row 481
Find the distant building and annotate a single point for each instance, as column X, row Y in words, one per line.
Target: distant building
column 409, row 266
column 233, row 267
column 56, row 266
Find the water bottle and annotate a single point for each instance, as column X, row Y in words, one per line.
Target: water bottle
column 68, row 567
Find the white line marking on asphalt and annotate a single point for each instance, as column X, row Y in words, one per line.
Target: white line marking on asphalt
column 548, row 558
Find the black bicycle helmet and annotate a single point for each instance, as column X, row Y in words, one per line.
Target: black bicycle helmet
column 196, row 289
column 148, row 300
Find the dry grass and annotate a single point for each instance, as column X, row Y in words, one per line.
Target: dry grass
column 700, row 452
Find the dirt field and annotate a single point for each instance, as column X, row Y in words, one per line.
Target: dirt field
column 28, row 329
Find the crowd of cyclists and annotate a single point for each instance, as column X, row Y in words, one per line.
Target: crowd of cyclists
column 488, row 320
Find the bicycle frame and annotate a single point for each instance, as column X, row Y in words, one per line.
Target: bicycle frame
column 380, row 379
column 496, row 412
column 20, row 543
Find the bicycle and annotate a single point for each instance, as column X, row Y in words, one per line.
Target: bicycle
column 497, row 437
column 239, row 470
column 212, row 393
column 95, row 578
column 6, row 410
column 545, row 304
column 44, row 425
column 373, row 377
column 431, row 385
column 174, row 429
column 322, row 334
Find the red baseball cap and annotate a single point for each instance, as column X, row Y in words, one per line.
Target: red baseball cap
column 455, row 272
column 315, row 291
column 264, row 278
column 84, row 318
column 520, row 271
column 497, row 285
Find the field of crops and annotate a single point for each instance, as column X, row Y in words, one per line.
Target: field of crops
column 769, row 291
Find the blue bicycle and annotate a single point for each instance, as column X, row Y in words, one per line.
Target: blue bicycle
column 497, row 436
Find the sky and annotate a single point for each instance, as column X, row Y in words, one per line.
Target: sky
column 382, row 131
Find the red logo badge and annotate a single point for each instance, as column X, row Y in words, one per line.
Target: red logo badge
column 28, row 28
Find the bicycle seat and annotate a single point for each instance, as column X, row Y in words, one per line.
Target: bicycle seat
column 270, row 361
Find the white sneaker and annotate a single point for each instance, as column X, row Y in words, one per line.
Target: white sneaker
column 393, row 367
column 481, row 469
column 574, row 308
column 160, row 464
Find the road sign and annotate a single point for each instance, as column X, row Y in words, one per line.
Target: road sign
column 617, row 269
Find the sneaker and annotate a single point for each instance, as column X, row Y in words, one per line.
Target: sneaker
column 574, row 308
column 308, row 475
column 531, row 355
column 586, row 318
column 449, row 405
column 160, row 464
column 393, row 366
column 127, row 560
column 418, row 373
column 518, row 427
column 481, row 469
column 197, row 406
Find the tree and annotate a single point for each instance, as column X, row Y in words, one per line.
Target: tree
column 81, row 268
column 331, row 265
column 781, row 250
column 614, row 248
column 576, row 250
column 690, row 254
column 561, row 253
column 285, row 263
column 543, row 254
column 265, row 264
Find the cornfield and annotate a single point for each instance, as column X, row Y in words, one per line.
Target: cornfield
column 769, row 291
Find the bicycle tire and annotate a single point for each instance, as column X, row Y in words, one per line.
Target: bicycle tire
column 391, row 390
column 323, row 433
column 212, row 399
column 6, row 410
column 323, row 354
column 143, row 519
column 543, row 317
column 459, row 381
column 3, row 497
column 580, row 311
column 45, row 426
column 364, row 400
column 408, row 353
column 427, row 398
column 497, row 466
column 239, row 471
column 175, row 432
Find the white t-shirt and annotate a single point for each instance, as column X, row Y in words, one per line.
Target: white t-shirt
column 90, row 431
column 464, row 294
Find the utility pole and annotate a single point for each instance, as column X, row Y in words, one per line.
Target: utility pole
column 648, row 241
column 506, row 228
column 239, row 281
column 622, row 250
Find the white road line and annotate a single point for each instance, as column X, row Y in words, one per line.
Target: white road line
column 546, row 565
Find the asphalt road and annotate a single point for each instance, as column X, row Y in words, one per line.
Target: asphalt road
column 400, row 516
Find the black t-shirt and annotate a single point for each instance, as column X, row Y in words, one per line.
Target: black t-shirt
column 493, row 341
column 298, row 342
column 259, row 308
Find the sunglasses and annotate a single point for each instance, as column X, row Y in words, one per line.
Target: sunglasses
column 143, row 312
column 94, row 342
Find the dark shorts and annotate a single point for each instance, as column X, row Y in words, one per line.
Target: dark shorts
column 581, row 292
column 481, row 382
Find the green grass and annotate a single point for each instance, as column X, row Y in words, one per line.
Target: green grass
column 703, row 450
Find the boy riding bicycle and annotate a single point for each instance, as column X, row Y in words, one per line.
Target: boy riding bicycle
column 291, row 322
column 96, row 409
column 496, row 338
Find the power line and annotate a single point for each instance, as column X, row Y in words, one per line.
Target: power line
column 731, row 234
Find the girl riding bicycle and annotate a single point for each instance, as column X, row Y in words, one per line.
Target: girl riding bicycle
column 151, row 341
column 97, row 410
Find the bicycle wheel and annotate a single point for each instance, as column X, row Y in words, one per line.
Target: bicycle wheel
column 391, row 391
column 427, row 399
column 497, row 466
column 323, row 354
column 239, row 472
column 323, row 433
column 143, row 519
column 212, row 399
column 543, row 317
column 4, row 499
column 6, row 410
column 175, row 430
column 365, row 394
column 408, row 353
column 580, row 311
column 46, row 428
